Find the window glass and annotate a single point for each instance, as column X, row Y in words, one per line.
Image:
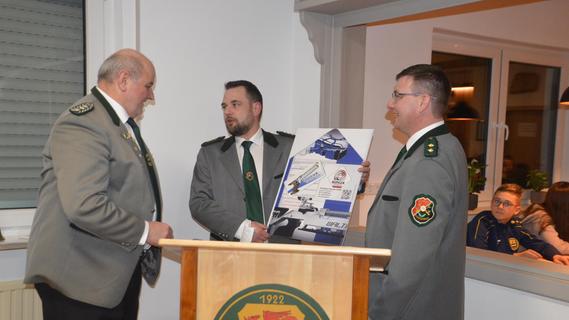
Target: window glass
column 467, row 116
column 531, row 117
column 41, row 74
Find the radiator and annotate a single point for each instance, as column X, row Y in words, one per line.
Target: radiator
column 19, row 302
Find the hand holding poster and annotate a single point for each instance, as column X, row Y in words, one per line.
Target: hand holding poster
column 320, row 183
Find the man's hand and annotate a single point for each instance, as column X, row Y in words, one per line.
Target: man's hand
column 364, row 169
column 260, row 234
column 158, row 230
column 560, row 259
column 529, row 253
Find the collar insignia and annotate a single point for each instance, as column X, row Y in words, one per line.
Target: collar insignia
column 431, row 147
column 149, row 161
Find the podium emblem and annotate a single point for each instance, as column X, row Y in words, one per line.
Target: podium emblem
column 271, row 302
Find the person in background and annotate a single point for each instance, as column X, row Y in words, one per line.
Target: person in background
column 97, row 224
column 421, row 207
column 500, row 230
column 550, row 221
column 507, row 170
column 514, row 172
column 220, row 194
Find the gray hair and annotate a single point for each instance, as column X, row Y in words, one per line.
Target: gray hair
column 126, row 59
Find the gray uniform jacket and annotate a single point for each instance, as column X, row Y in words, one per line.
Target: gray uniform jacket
column 94, row 198
column 217, row 195
column 420, row 214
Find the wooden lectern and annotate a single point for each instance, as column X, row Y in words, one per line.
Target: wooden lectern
column 215, row 273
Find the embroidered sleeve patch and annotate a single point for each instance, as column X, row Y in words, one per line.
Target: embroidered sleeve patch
column 422, row 210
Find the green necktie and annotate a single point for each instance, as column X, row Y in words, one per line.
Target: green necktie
column 251, row 184
column 150, row 166
column 401, row 154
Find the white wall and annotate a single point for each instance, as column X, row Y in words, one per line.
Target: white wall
column 389, row 49
column 196, row 47
column 13, row 263
column 488, row 301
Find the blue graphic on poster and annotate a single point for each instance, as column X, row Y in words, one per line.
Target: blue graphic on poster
column 319, row 185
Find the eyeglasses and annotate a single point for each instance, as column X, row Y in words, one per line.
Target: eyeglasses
column 507, row 204
column 396, row 95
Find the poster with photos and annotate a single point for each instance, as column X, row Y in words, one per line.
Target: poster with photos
column 320, row 184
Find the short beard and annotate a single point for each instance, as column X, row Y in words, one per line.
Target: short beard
column 238, row 130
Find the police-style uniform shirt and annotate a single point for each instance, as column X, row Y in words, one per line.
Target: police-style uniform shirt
column 485, row 232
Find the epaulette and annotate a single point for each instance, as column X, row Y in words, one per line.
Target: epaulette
column 431, row 149
column 82, row 108
column 285, row 134
column 207, row 143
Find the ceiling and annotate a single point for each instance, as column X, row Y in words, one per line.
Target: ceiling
column 333, row 7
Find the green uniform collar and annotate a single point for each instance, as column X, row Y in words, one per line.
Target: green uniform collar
column 438, row 131
column 107, row 106
column 267, row 137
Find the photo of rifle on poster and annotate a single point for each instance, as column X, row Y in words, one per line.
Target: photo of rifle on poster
column 320, row 184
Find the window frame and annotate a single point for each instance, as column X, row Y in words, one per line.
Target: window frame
column 502, row 53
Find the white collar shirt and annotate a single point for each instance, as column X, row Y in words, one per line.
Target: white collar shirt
column 120, row 111
column 245, row 231
column 123, row 117
column 257, row 153
column 417, row 135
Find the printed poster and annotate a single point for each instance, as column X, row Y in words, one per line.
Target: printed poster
column 320, row 184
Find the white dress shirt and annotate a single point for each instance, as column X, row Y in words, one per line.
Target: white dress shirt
column 417, row 135
column 123, row 117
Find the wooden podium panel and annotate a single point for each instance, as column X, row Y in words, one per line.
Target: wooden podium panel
column 335, row 277
column 326, row 278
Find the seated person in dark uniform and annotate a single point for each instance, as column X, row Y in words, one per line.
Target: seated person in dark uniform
column 499, row 230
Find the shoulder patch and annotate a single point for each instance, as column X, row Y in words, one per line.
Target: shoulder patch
column 423, row 209
column 207, row 143
column 81, row 109
column 431, row 149
column 285, row 134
